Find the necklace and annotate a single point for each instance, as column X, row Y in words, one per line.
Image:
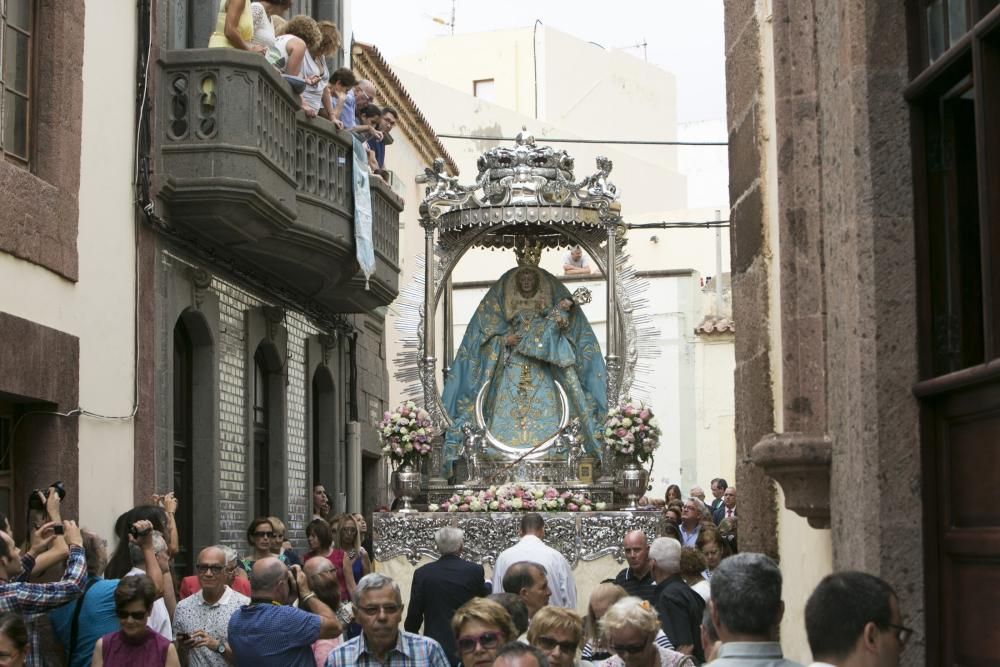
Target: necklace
column 353, row 553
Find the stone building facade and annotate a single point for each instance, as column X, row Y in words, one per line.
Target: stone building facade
column 863, row 181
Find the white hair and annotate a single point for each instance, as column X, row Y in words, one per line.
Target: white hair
column 666, row 551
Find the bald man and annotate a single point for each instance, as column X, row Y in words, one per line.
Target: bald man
column 269, row 633
column 201, row 620
column 637, row 578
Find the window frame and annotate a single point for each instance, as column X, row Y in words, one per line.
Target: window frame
column 28, row 95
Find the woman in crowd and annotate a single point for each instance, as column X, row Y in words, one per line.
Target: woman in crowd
column 234, row 27
column 316, row 96
column 320, row 538
column 693, row 566
column 673, row 493
column 673, row 515
column 481, row 626
column 263, row 26
column 365, row 536
column 134, row 645
column 13, row 639
column 557, row 632
column 629, row 628
column 260, row 532
column 296, row 37
column 281, row 547
column 601, row 599
column 713, row 548
column 356, row 563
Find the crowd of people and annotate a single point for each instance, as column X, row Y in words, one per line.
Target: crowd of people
column 65, row 601
column 298, row 48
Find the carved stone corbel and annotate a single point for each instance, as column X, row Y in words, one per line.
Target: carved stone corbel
column 800, row 463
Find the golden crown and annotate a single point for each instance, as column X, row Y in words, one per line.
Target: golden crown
column 529, row 254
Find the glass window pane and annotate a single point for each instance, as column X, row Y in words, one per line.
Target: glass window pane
column 19, row 13
column 15, row 61
column 958, row 24
column 986, row 6
column 935, row 30
column 15, row 125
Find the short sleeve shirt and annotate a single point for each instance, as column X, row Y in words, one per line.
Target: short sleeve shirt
column 581, row 263
column 266, row 635
column 193, row 613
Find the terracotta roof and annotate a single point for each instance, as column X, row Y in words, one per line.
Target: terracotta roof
column 714, row 325
column 368, row 63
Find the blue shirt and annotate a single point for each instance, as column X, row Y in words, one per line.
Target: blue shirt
column 265, row 634
column 410, row 651
column 97, row 618
column 347, row 111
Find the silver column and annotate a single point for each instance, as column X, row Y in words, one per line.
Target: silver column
column 429, row 361
column 612, row 358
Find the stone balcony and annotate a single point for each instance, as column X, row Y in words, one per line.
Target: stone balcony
column 246, row 177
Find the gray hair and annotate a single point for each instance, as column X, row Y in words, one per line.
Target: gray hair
column 702, row 508
column 448, row 540
column 231, row 553
column 374, row 582
column 666, row 551
column 135, row 551
column 516, row 649
column 746, row 592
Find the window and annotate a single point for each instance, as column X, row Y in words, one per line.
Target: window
column 955, row 97
column 485, row 89
column 261, row 434
column 6, row 463
column 184, row 443
column 16, row 18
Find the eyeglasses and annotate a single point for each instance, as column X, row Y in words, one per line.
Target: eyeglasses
column 134, row 615
column 487, row 640
column 629, row 648
column 903, row 633
column 204, row 569
column 374, row 609
column 263, row 533
column 549, row 643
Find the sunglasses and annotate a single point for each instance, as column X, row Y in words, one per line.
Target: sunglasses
column 903, row 633
column 263, row 533
column 549, row 644
column 629, row 648
column 487, row 640
column 204, row 569
column 134, row 615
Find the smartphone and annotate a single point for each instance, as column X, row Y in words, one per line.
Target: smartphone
column 59, row 529
column 183, row 636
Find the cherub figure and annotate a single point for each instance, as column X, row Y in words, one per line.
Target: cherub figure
column 471, row 445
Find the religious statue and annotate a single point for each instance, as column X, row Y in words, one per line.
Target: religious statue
column 529, row 360
column 570, row 440
column 472, row 443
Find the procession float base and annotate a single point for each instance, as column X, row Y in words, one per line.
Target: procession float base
column 590, row 541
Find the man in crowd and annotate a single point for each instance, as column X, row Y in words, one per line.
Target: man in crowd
column 528, row 581
column 677, row 605
column 379, row 607
column 718, row 488
column 698, row 492
column 159, row 617
column 853, row 620
column 518, row 654
column 442, row 586
column 356, row 98
column 692, row 515
column 93, row 615
column 201, row 621
column 235, row 576
column 637, row 578
column 575, row 262
column 342, row 81
column 746, row 611
column 27, row 599
column 532, row 548
column 728, row 508
column 322, row 576
column 389, row 119
column 268, row 632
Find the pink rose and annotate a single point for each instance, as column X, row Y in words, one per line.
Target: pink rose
column 644, row 414
column 572, row 507
column 621, row 433
column 463, row 508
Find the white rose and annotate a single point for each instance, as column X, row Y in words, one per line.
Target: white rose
column 584, row 508
column 516, row 503
column 453, row 508
column 433, row 507
column 600, row 506
column 626, row 422
column 494, row 504
column 475, row 506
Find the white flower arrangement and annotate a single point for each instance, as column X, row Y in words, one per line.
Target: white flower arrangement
column 518, row 498
column 632, row 431
column 406, row 434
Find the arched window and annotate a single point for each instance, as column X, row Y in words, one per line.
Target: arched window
column 183, row 442
column 324, row 431
column 261, row 433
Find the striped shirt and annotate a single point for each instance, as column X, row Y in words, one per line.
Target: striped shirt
column 589, row 651
column 410, row 651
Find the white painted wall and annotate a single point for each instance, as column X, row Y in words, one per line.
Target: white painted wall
column 100, row 308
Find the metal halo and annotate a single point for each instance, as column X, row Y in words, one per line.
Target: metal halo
column 507, row 449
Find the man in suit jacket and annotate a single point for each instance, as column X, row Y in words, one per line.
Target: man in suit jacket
column 718, row 488
column 728, row 506
column 441, row 587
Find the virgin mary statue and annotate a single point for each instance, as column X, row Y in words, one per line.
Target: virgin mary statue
column 526, row 337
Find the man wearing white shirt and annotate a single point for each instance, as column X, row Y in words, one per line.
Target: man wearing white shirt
column 853, row 620
column 531, row 548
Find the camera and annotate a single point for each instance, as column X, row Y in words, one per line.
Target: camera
column 35, row 500
column 136, row 533
column 58, row 529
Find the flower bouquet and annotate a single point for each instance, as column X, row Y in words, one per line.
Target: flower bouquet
column 406, row 435
column 632, row 432
column 518, row 498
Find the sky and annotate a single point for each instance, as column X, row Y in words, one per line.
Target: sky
column 682, row 36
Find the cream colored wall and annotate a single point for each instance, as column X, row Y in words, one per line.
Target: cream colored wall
column 715, row 436
column 99, row 309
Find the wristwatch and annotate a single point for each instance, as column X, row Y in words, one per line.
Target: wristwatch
column 222, row 648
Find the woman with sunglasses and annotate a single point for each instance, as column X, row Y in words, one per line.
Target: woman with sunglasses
column 134, row 645
column 13, row 640
column 557, row 632
column 481, row 626
column 629, row 629
column 601, row 599
column 260, row 534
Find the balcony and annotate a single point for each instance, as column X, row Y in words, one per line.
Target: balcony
column 247, row 178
